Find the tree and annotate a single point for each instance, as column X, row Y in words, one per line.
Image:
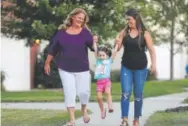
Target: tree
column 170, row 18
column 33, row 19
column 39, row 19
column 41, row 79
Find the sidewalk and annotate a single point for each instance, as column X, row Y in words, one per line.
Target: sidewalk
column 150, row 106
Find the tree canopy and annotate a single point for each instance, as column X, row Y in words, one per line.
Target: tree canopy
column 40, row 19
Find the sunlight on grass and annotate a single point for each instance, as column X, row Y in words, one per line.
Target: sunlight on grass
column 168, row 119
column 14, row 117
column 152, row 88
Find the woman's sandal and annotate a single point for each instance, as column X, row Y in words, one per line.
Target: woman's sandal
column 103, row 116
column 70, row 124
column 124, row 123
column 86, row 119
column 135, row 123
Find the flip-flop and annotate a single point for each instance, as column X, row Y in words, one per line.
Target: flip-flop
column 124, row 123
column 104, row 114
column 70, row 124
column 135, row 123
column 110, row 110
column 86, row 119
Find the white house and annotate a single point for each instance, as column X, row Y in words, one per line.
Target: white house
column 16, row 63
column 163, row 62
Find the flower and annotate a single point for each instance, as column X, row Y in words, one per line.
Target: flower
column 37, row 41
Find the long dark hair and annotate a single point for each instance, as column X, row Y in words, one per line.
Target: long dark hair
column 139, row 25
column 106, row 50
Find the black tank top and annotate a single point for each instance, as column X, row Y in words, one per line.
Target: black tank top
column 134, row 56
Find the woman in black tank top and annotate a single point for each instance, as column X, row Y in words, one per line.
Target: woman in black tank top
column 135, row 39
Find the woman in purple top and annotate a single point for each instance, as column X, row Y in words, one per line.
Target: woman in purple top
column 70, row 46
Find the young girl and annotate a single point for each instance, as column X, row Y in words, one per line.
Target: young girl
column 104, row 59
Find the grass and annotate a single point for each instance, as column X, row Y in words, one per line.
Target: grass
column 168, row 119
column 185, row 100
column 16, row 117
column 155, row 88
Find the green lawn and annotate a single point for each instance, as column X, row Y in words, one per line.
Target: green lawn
column 15, row 117
column 168, row 119
column 151, row 89
column 186, row 100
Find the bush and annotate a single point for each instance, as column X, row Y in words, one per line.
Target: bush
column 41, row 79
column 92, row 76
column 186, row 76
column 178, row 109
column 2, row 80
column 115, row 76
column 150, row 76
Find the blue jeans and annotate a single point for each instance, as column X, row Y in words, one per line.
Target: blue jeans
column 186, row 69
column 137, row 78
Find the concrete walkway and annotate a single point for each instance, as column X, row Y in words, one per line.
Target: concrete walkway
column 150, row 106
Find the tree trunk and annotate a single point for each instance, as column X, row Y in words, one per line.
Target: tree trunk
column 33, row 57
column 172, row 50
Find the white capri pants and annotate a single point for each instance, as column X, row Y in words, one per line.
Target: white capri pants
column 75, row 84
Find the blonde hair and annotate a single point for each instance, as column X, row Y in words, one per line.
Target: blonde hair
column 68, row 21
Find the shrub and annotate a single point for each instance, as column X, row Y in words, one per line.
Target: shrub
column 115, row 76
column 150, row 76
column 3, row 77
column 41, row 79
column 92, row 76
